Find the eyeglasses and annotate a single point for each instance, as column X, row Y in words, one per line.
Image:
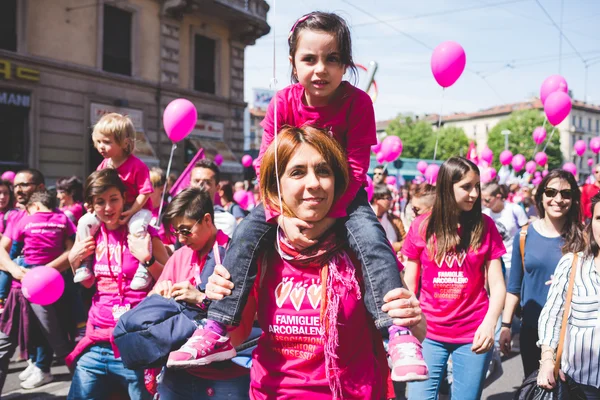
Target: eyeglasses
column 377, row 173
column 24, row 185
column 566, row 194
column 388, row 198
column 184, row 231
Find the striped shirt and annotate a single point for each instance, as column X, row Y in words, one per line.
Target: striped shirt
column 581, row 355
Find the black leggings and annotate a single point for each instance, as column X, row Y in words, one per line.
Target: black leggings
column 530, row 352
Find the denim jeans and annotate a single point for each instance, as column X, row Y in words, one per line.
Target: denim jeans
column 180, row 385
column 96, row 372
column 5, row 281
column 468, row 371
column 366, row 238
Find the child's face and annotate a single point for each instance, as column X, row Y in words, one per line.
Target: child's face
column 318, row 66
column 106, row 145
column 108, row 206
column 466, row 191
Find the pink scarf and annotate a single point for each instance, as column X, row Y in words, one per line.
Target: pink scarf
column 338, row 278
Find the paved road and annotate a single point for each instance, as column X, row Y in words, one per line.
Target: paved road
column 500, row 386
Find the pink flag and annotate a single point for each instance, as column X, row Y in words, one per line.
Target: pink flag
column 184, row 179
column 472, row 154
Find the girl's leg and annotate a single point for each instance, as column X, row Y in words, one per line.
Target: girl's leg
column 90, row 380
column 468, row 372
column 530, row 353
column 436, row 356
column 131, row 380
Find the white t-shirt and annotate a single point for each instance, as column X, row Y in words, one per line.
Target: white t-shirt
column 388, row 228
column 224, row 221
column 508, row 221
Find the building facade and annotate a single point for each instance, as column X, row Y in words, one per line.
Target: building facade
column 65, row 63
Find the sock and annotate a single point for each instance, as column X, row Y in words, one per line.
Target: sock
column 216, row 327
column 396, row 330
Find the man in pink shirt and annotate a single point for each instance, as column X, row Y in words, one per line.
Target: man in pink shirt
column 588, row 191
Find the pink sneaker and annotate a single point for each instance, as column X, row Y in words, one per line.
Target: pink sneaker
column 202, row 348
column 406, row 355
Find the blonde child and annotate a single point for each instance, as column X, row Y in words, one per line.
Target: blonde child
column 114, row 138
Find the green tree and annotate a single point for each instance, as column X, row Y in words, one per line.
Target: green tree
column 452, row 142
column 521, row 125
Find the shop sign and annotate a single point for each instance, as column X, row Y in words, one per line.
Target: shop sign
column 16, row 99
column 11, row 71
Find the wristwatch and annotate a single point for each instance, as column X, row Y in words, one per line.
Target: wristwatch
column 506, row 325
column 150, row 262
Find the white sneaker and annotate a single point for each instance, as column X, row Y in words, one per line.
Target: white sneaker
column 496, row 362
column 142, row 279
column 83, row 273
column 37, row 379
column 26, row 373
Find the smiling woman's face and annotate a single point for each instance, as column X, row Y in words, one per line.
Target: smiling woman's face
column 308, row 185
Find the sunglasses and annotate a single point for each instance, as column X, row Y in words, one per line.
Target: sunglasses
column 566, row 194
column 184, row 231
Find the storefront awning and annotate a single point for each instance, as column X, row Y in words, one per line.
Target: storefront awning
column 212, row 147
column 144, row 151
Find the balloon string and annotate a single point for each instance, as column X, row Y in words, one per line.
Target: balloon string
column 165, row 186
column 437, row 134
column 549, row 139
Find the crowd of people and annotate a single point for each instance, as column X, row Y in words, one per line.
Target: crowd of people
column 354, row 295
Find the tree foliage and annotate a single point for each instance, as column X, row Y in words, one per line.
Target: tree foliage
column 521, row 125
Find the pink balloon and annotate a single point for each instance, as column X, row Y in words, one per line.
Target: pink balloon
column 530, row 167
column 580, row 147
column 539, row 135
column 418, row 180
column 518, row 162
column 537, row 180
column 557, row 107
column 380, row 157
column 376, row 148
column 595, row 145
column 241, row 197
column 590, row 162
column 218, row 159
column 431, row 173
column 537, row 173
column 553, row 83
column 391, row 180
column 43, row 285
column 422, row 166
column 391, row 148
column 247, row 160
column 506, row 157
column 541, row 159
column 487, row 155
column 179, row 119
column 493, row 173
column 8, row 176
column 570, row 167
column 544, row 173
column 448, row 63
column 485, row 175
column 369, row 188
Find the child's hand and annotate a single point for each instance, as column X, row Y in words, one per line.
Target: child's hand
column 125, row 217
column 294, row 231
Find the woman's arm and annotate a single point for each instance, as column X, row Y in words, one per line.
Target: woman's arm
column 405, row 310
column 484, row 336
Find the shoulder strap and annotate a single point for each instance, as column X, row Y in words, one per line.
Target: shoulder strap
column 522, row 237
column 565, row 319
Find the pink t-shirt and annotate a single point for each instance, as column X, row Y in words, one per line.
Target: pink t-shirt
column 11, row 224
column 453, row 296
column 74, row 212
column 5, row 217
column 43, row 235
column 111, row 299
column 136, row 177
column 289, row 362
column 166, row 239
column 350, row 118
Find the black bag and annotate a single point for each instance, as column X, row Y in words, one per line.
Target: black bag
column 147, row 334
column 568, row 390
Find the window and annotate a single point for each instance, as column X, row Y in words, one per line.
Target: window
column 116, row 44
column 14, row 117
column 8, row 25
column 581, row 122
column 487, row 128
column 204, row 64
column 474, row 130
column 589, row 124
column 574, row 120
column 598, row 125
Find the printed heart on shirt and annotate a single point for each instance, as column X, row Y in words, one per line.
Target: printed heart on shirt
column 282, row 291
column 100, row 251
column 450, row 260
column 297, row 296
column 314, row 295
column 460, row 258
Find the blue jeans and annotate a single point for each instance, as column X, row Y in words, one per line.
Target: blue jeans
column 179, row 385
column 98, row 370
column 366, row 238
column 468, row 371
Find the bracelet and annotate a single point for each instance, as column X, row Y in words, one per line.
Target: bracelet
column 150, row 262
column 546, row 359
column 553, row 357
column 506, row 325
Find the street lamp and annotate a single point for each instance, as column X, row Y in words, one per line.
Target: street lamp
column 506, row 132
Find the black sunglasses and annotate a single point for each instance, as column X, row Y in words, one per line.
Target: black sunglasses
column 566, row 194
column 184, row 231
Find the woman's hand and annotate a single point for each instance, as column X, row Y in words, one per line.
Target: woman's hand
column 16, row 271
column 125, row 217
column 403, row 307
column 545, row 378
column 163, row 288
column 81, row 250
column 293, row 229
column 185, row 291
column 219, row 285
column 505, row 339
column 484, row 338
column 140, row 247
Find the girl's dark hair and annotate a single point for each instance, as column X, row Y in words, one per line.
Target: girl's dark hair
column 11, row 194
column 100, row 181
column 592, row 248
column 324, row 22
column 73, row 186
column 227, row 190
column 441, row 232
column 192, row 203
column 573, row 229
column 380, row 191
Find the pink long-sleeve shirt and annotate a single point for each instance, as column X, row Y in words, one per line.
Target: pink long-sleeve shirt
column 350, row 119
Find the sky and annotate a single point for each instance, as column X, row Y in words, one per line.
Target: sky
column 511, row 47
